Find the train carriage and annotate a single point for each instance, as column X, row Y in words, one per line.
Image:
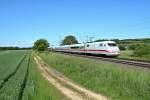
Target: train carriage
column 108, row 48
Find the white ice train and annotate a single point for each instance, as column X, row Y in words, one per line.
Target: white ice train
column 108, row 48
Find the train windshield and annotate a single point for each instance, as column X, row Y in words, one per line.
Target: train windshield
column 112, row 44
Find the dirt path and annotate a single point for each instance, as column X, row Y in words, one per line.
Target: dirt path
column 74, row 91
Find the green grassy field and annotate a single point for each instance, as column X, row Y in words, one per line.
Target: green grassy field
column 128, row 54
column 21, row 80
column 38, row 88
column 119, row 82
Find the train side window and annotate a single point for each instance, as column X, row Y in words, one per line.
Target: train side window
column 112, row 44
column 100, row 44
column 87, row 45
column 75, row 47
column 82, row 47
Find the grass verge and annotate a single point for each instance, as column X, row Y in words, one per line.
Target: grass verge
column 116, row 81
column 128, row 54
column 37, row 88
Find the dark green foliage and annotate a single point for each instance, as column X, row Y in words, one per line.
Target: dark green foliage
column 41, row 45
column 147, row 40
column 142, row 50
column 122, row 47
column 69, row 40
column 133, row 46
column 134, row 41
column 14, row 48
column 101, row 40
column 115, row 40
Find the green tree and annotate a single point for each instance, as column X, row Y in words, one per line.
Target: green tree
column 69, row 40
column 41, row 45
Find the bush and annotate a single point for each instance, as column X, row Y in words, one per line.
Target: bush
column 141, row 50
column 41, row 45
column 133, row 46
column 122, row 47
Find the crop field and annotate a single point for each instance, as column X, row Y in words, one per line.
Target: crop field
column 3, row 52
column 117, row 81
column 21, row 80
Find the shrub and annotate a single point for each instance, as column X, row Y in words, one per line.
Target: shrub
column 141, row 50
column 122, row 47
column 41, row 45
column 133, row 46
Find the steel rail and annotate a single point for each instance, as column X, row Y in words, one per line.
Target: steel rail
column 115, row 60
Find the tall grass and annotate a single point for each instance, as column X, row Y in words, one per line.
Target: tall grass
column 38, row 88
column 116, row 81
column 130, row 54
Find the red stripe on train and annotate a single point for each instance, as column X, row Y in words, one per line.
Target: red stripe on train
column 89, row 50
column 96, row 50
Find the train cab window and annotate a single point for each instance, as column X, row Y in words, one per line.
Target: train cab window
column 112, row 44
column 87, row 45
column 104, row 45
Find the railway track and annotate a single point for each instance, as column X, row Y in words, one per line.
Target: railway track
column 115, row 60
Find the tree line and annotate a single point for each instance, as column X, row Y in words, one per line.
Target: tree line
column 43, row 44
column 15, row 48
column 140, row 47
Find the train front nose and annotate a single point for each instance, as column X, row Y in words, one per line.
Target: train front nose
column 114, row 51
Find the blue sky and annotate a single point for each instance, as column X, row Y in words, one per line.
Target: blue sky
column 24, row 21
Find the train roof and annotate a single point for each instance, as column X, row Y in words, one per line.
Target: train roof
column 101, row 42
column 72, row 45
column 79, row 45
column 76, row 45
